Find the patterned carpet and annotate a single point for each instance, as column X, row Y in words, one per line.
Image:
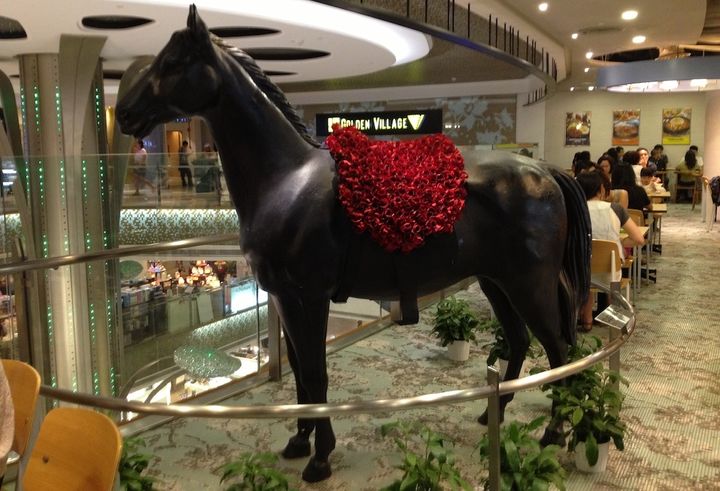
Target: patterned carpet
column 672, row 404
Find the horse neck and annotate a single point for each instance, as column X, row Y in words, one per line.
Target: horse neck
column 257, row 143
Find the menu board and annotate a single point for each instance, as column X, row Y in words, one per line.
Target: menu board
column 676, row 126
column 577, row 128
column 626, row 127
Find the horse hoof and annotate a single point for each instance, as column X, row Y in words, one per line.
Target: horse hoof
column 483, row 418
column 316, row 471
column 552, row 437
column 296, row 447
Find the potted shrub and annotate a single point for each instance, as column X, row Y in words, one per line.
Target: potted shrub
column 254, row 472
column 131, row 466
column 590, row 402
column 523, row 463
column 455, row 325
column 431, row 469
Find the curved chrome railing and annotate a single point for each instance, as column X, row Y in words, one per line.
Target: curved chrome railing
column 349, row 408
column 106, row 254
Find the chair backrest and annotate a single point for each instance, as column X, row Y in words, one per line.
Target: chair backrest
column 24, row 383
column 605, row 257
column 76, row 449
column 637, row 216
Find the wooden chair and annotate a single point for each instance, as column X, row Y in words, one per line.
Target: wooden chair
column 76, row 449
column 695, row 187
column 607, row 261
column 637, row 216
column 24, row 383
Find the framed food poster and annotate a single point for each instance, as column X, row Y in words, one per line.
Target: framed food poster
column 577, row 128
column 626, row 127
column 676, row 126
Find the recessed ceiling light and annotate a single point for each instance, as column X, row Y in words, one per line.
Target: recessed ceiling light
column 629, row 15
column 591, row 88
column 587, row 69
column 574, row 35
column 638, row 39
column 589, row 55
column 543, row 7
column 572, row 89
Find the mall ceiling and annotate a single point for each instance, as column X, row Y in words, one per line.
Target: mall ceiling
column 339, row 61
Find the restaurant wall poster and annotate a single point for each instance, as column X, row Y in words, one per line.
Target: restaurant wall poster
column 626, row 127
column 577, row 128
column 676, row 126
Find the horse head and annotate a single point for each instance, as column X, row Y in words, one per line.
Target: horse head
column 182, row 81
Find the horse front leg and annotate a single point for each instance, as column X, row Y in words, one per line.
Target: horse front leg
column 305, row 324
column 299, row 444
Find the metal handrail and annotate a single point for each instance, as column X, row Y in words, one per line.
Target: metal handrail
column 106, row 254
column 350, row 408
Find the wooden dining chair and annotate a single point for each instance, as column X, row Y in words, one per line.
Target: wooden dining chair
column 637, row 216
column 24, row 382
column 606, row 261
column 76, row 449
column 695, row 187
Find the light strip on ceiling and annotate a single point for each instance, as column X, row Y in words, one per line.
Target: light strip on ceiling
column 690, row 74
column 405, row 44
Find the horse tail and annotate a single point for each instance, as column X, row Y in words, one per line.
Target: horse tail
column 575, row 275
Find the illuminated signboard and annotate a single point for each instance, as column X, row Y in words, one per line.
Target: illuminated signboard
column 416, row 122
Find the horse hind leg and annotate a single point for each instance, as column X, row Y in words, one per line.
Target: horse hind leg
column 515, row 333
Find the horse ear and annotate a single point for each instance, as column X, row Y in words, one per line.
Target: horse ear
column 194, row 22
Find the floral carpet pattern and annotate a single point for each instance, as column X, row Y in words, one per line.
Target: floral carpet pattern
column 672, row 363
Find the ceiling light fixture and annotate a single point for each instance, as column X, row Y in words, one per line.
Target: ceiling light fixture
column 587, row 69
column 589, row 55
column 639, row 39
column 574, row 35
column 691, row 74
column 543, row 7
column 591, row 88
column 629, row 15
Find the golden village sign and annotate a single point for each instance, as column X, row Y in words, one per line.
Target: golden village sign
column 417, row 122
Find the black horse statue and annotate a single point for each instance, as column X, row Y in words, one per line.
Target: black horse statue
column 523, row 232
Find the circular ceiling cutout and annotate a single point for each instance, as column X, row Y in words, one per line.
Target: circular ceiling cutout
column 114, row 21
column 11, row 29
column 277, row 73
column 285, row 54
column 112, row 74
column 630, row 55
column 240, row 31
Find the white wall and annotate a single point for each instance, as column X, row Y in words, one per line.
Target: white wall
column 602, row 104
column 530, row 124
column 711, row 155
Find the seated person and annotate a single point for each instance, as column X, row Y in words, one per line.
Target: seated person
column 688, row 170
column 650, row 183
column 605, row 226
column 623, row 177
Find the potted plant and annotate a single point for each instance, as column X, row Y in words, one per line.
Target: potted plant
column 131, row 466
column 455, row 324
column 254, row 472
column 523, row 463
column 432, row 468
column 499, row 349
column 590, row 402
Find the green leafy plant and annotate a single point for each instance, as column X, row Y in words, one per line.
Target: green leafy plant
column 254, row 472
column 454, row 321
column 523, row 463
column 590, row 402
column 132, row 464
column 427, row 470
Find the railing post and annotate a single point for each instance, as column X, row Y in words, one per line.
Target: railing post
column 493, row 429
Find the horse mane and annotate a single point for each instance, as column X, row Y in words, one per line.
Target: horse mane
column 267, row 86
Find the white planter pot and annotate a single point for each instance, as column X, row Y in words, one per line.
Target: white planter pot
column 581, row 462
column 458, row 350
